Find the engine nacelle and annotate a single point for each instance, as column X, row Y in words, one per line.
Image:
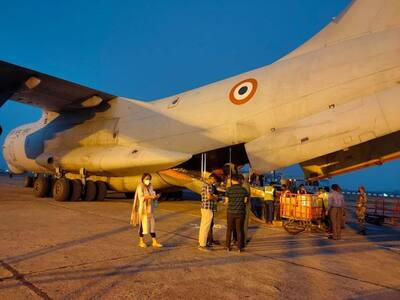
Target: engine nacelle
column 14, row 151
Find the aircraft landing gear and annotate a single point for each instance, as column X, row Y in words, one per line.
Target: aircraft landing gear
column 28, row 182
column 41, row 186
column 76, row 190
column 62, row 189
column 90, row 191
column 101, row 190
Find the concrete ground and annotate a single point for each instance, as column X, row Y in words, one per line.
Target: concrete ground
column 81, row 250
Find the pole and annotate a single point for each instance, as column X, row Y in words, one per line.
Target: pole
column 205, row 164
column 202, row 166
column 230, row 165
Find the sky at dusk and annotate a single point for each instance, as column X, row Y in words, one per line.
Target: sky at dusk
column 152, row 49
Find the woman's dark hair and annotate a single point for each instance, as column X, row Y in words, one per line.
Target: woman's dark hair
column 145, row 175
column 335, row 187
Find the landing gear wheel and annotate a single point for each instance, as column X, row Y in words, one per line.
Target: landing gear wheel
column 90, row 191
column 41, row 187
column 52, row 181
column 28, row 181
column 101, row 190
column 76, row 190
column 62, row 189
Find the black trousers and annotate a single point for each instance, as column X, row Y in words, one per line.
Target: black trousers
column 269, row 211
column 153, row 234
column 235, row 221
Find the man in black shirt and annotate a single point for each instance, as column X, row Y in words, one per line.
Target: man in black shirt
column 236, row 196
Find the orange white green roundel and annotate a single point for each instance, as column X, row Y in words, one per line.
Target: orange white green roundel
column 243, row 91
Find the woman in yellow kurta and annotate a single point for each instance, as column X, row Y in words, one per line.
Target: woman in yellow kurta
column 143, row 210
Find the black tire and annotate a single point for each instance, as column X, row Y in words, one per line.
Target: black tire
column 28, row 181
column 52, row 181
column 90, row 191
column 41, row 187
column 129, row 195
column 101, row 190
column 62, row 189
column 76, row 190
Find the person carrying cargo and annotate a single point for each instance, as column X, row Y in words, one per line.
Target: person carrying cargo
column 336, row 207
column 269, row 197
column 361, row 209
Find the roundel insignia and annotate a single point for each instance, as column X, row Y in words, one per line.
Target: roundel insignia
column 243, row 91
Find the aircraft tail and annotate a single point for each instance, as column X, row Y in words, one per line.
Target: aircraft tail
column 359, row 18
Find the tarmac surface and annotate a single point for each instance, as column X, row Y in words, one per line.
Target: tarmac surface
column 88, row 250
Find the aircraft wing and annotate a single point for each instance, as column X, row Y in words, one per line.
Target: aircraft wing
column 44, row 91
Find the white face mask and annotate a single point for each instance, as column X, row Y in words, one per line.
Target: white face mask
column 146, row 181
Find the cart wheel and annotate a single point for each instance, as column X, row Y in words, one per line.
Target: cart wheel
column 294, row 227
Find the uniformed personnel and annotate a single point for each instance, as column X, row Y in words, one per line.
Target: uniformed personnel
column 269, row 197
column 361, row 209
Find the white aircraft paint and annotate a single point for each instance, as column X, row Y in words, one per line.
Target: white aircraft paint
column 337, row 90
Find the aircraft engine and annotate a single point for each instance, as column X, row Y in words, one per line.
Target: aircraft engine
column 14, row 152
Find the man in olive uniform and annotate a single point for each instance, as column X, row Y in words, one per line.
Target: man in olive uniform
column 361, row 209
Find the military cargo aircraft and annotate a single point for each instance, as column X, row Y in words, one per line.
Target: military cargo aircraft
column 332, row 105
